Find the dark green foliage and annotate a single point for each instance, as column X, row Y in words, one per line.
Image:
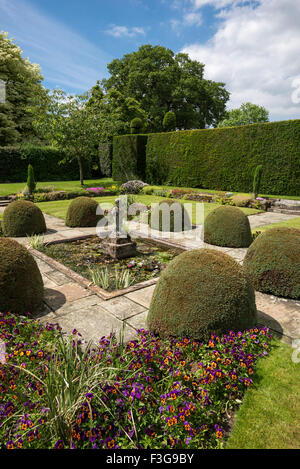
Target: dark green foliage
column 169, row 122
column 129, row 157
column 257, row 180
column 21, row 284
column 82, row 212
column 136, row 125
column 225, row 159
column 31, row 184
column 23, row 218
column 202, row 292
column 105, row 158
column 272, row 262
column 173, row 209
column 45, row 160
column 227, row 226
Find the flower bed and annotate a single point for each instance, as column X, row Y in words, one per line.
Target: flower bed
column 146, row 394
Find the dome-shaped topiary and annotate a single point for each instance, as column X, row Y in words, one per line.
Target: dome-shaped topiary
column 170, row 216
column 82, row 212
column 21, row 284
column 201, row 292
column 227, row 226
column 23, row 218
column 272, row 262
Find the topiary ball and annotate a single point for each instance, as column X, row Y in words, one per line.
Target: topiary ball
column 21, row 284
column 23, row 218
column 202, row 292
column 170, row 216
column 82, row 213
column 227, row 226
column 272, row 262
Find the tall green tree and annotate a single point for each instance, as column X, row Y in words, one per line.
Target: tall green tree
column 248, row 113
column 161, row 82
column 22, row 81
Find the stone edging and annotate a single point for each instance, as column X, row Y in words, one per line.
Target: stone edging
column 103, row 294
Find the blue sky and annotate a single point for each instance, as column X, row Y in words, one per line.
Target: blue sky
column 252, row 46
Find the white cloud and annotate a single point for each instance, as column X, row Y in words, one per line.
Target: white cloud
column 124, row 31
column 255, row 52
column 192, row 18
column 67, row 58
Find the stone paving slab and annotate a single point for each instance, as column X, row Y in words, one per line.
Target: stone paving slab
column 87, row 322
column 143, row 296
column 122, row 307
column 139, row 321
column 55, row 298
column 57, row 278
column 79, row 305
column 268, row 218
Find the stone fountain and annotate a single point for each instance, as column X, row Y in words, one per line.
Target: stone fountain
column 119, row 245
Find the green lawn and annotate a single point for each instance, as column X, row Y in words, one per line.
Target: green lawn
column 14, row 188
column 269, row 415
column 59, row 208
column 292, row 223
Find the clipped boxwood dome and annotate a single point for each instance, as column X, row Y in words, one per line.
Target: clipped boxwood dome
column 272, row 262
column 23, row 218
column 174, row 219
column 201, row 292
column 227, row 226
column 82, row 212
column 21, row 284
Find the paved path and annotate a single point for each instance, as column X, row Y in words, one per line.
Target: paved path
column 76, row 307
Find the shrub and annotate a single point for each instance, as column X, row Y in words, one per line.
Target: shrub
column 169, row 122
column 23, row 218
column 136, row 125
column 227, row 226
column 31, row 184
column 21, row 284
column 176, row 217
column 132, row 187
column 82, row 212
column 272, row 262
column 202, row 292
column 148, row 190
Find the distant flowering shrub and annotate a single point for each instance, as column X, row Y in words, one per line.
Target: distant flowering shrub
column 95, row 189
column 132, row 187
column 148, row 393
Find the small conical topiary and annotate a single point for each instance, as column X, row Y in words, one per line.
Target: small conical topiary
column 227, row 226
column 201, row 292
column 272, row 262
column 82, row 213
column 21, row 284
column 170, row 216
column 23, row 218
column 31, row 184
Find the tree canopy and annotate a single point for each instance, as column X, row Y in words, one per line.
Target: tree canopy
column 248, row 113
column 22, row 81
column 161, row 82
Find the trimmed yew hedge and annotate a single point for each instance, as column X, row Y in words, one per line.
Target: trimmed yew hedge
column 129, row 157
column 14, row 162
column 226, row 158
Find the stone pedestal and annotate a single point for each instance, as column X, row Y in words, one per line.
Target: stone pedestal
column 119, row 248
